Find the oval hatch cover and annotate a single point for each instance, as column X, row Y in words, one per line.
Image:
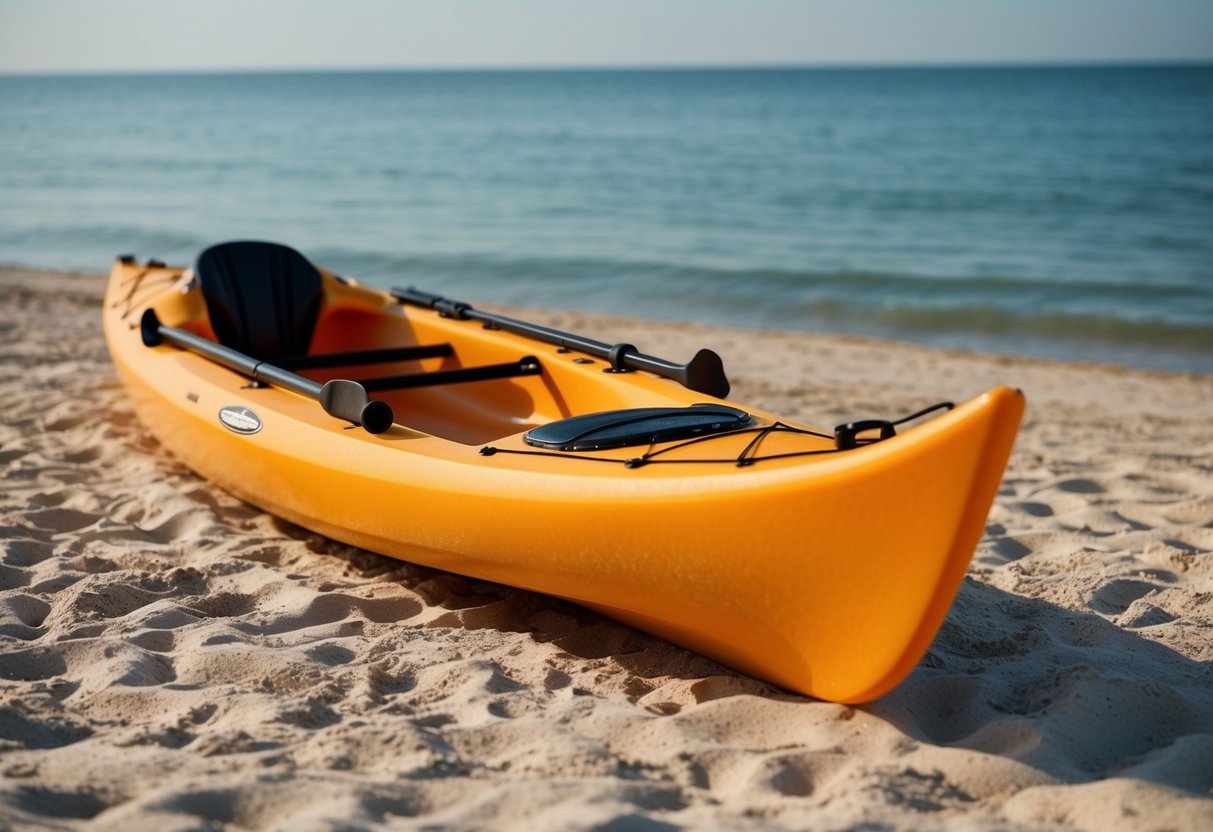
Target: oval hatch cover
column 239, row 419
column 636, row 426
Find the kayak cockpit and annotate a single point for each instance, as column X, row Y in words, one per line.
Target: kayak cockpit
column 270, row 305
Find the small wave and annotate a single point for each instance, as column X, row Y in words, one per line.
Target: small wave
column 986, row 320
column 91, row 246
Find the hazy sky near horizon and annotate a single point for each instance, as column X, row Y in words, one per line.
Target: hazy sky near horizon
column 120, row 35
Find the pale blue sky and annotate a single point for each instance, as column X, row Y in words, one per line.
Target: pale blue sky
column 89, row 35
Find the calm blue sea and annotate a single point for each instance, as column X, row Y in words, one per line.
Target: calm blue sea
column 1056, row 211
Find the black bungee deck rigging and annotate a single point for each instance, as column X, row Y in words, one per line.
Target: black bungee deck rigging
column 846, row 437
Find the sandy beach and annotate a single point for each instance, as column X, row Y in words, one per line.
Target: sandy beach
column 171, row 658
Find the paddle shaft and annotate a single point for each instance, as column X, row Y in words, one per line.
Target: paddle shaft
column 704, row 373
column 340, row 398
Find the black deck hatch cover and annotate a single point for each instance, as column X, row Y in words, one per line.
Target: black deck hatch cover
column 636, row 426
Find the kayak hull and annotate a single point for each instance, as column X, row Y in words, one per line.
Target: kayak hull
column 827, row 574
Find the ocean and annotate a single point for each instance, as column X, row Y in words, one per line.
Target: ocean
column 1062, row 212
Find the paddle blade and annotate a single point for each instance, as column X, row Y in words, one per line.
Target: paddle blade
column 705, row 374
column 345, row 399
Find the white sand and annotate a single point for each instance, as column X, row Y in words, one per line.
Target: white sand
column 173, row 659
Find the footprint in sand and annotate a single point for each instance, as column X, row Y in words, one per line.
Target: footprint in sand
column 1115, row 596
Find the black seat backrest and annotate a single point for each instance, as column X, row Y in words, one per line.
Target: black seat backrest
column 263, row 298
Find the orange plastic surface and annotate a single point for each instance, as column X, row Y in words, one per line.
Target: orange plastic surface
column 828, row 575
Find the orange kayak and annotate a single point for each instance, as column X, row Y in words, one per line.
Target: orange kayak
column 421, row 428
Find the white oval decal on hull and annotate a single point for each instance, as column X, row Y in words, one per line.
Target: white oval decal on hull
column 239, row 419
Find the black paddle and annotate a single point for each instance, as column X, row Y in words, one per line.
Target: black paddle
column 340, row 397
column 704, row 373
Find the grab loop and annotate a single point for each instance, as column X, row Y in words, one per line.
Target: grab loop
column 847, row 436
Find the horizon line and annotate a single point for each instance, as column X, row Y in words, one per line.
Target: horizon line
column 1059, row 63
